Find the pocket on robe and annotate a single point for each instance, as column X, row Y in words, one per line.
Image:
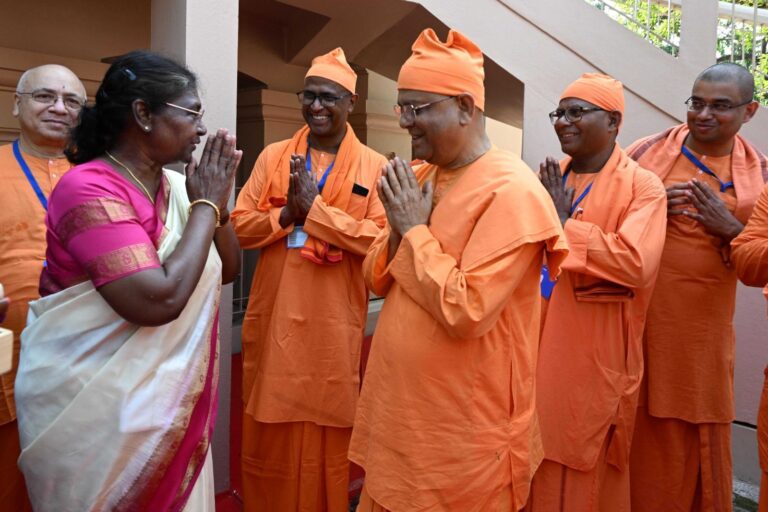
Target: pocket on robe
column 358, row 206
column 603, row 292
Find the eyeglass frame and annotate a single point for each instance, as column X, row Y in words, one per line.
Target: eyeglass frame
column 198, row 114
column 711, row 106
column 554, row 118
column 326, row 100
column 403, row 110
column 56, row 98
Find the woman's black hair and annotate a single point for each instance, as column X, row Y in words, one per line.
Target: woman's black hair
column 142, row 75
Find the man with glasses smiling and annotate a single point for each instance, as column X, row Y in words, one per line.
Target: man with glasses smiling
column 446, row 420
column 681, row 452
column 312, row 207
column 47, row 104
column 591, row 356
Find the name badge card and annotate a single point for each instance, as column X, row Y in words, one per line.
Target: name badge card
column 297, row 238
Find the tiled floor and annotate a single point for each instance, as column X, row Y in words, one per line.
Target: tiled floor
column 231, row 501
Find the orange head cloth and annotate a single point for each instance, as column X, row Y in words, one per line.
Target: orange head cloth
column 333, row 66
column 600, row 90
column 449, row 68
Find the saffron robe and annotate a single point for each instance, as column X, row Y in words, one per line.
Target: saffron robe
column 303, row 329
column 686, row 403
column 446, row 418
column 689, row 331
column 590, row 358
column 22, row 252
column 750, row 256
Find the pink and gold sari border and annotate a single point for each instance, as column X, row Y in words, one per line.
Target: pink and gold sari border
column 92, row 214
column 122, row 261
column 150, row 489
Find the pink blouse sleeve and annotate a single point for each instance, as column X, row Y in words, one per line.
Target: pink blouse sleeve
column 93, row 217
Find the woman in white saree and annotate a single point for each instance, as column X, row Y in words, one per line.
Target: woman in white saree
column 116, row 389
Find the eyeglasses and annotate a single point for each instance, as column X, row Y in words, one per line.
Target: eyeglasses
column 327, row 100
column 411, row 112
column 198, row 115
column 720, row 107
column 572, row 114
column 49, row 98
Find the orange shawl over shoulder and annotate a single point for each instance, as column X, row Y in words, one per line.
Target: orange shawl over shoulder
column 660, row 151
column 591, row 359
column 337, row 190
column 689, row 340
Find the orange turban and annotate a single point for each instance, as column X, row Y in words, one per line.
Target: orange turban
column 449, row 68
column 333, row 66
column 600, row 90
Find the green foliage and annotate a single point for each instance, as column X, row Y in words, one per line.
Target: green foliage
column 735, row 41
column 653, row 22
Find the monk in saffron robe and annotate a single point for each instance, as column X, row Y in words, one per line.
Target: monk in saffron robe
column 47, row 104
column 590, row 359
column 681, row 449
column 303, row 328
column 749, row 252
column 446, row 419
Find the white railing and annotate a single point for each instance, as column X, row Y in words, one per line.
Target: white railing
column 742, row 37
column 657, row 22
column 742, row 30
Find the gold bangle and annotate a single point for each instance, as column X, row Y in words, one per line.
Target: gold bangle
column 209, row 203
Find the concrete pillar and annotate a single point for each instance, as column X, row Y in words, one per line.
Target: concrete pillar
column 383, row 132
column 539, row 138
column 281, row 115
column 698, row 33
column 204, row 36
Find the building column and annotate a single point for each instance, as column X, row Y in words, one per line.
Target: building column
column 538, row 136
column 203, row 35
column 698, row 33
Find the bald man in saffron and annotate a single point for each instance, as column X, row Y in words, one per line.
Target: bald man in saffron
column 47, row 104
column 681, row 450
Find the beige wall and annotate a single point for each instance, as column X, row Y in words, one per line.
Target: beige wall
column 78, row 34
column 384, row 132
column 505, row 136
column 81, row 29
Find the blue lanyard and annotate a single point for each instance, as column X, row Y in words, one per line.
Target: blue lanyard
column 583, row 194
column 28, row 173
column 545, row 284
column 321, row 183
column 703, row 168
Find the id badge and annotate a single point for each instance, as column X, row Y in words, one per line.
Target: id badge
column 546, row 285
column 297, row 238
